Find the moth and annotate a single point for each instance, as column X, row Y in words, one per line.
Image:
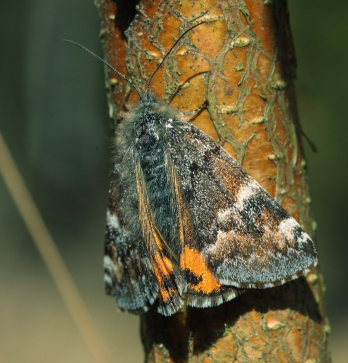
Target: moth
column 186, row 224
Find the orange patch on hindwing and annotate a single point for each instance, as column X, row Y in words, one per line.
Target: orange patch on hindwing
column 163, row 268
column 193, row 261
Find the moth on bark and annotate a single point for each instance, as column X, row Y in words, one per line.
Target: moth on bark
column 186, row 224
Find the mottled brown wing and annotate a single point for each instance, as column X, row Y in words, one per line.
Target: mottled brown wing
column 202, row 287
column 164, row 259
column 139, row 269
column 247, row 239
column 128, row 270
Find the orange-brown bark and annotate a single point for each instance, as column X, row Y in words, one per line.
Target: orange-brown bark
column 241, row 61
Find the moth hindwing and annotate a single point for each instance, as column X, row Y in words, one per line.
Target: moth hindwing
column 187, row 223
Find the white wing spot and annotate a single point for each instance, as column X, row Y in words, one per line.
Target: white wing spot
column 224, row 215
column 221, row 236
column 246, row 192
column 304, row 238
column 169, row 123
column 109, row 265
column 108, row 279
column 112, row 220
column 286, row 227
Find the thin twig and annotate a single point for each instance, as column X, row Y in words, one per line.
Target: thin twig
column 51, row 256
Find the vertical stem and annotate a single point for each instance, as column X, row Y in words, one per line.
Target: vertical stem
column 242, row 62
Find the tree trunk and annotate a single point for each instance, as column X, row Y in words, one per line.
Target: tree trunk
column 241, row 60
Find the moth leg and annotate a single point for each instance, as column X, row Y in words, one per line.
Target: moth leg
column 181, row 86
column 197, row 111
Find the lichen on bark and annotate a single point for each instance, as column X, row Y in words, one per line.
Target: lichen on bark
column 241, row 60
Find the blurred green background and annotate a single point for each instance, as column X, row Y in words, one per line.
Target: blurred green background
column 54, row 118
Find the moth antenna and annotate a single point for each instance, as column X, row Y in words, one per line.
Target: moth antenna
column 105, row 62
column 167, row 54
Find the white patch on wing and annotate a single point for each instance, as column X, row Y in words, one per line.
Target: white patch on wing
column 108, row 279
column 220, row 238
column 304, row 238
column 245, row 193
column 224, row 215
column 112, row 220
column 169, row 123
column 220, row 244
column 109, row 265
column 286, row 228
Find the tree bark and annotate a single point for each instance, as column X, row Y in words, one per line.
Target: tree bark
column 241, row 60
